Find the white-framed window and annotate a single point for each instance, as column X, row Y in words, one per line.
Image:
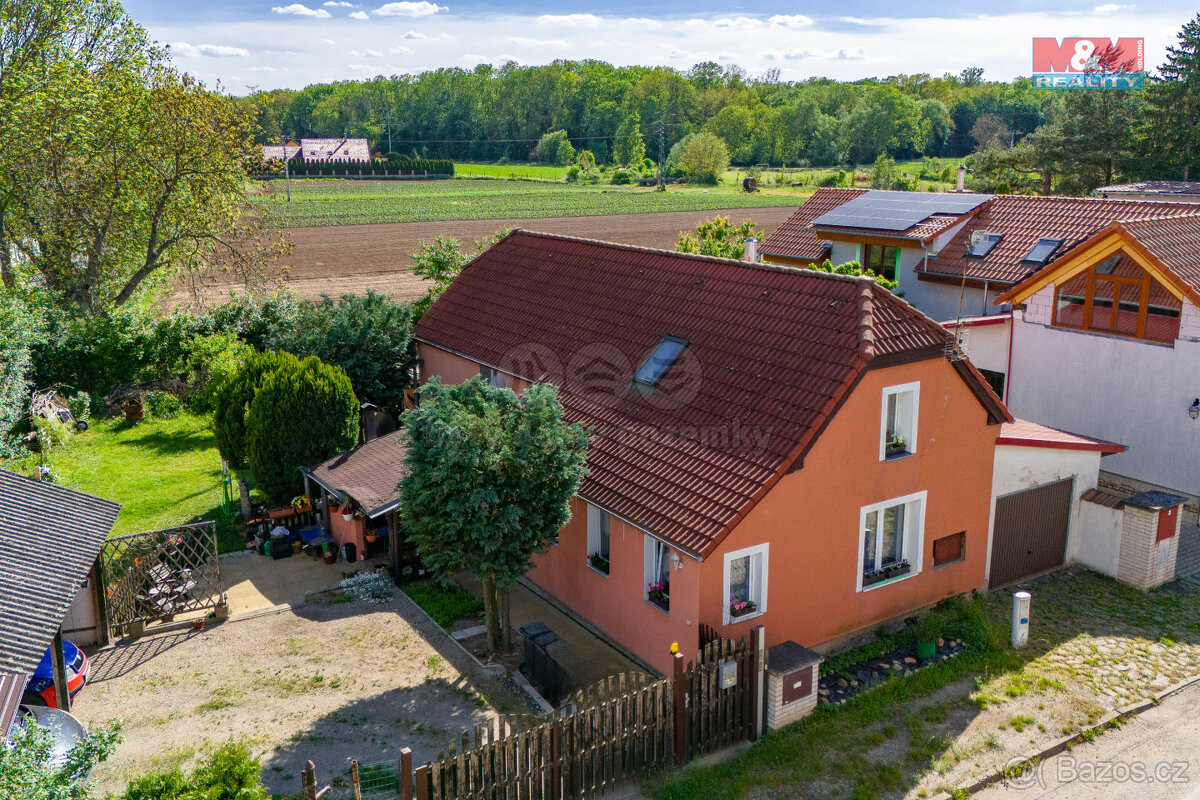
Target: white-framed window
column 898, row 425
column 599, row 522
column 658, row 574
column 891, row 541
column 745, row 583
column 493, row 377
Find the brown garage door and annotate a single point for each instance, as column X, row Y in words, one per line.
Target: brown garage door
column 1030, row 534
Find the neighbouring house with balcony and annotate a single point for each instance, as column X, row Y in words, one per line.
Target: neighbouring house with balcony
column 1080, row 312
column 788, row 448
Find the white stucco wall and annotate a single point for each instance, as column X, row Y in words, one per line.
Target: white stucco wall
column 1123, row 390
column 987, row 346
column 1098, row 539
column 1017, row 468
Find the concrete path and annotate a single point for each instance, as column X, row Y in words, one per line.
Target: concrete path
column 1154, row 756
column 256, row 583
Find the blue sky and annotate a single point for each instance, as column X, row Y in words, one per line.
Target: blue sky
column 283, row 43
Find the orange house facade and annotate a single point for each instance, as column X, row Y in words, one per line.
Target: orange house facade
column 842, row 479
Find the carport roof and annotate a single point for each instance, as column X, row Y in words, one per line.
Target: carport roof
column 370, row 474
column 49, row 538
column 1023, row 433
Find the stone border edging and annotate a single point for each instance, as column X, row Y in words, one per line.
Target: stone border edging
column 1031, row 759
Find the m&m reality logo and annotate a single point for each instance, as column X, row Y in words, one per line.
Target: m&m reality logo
column 1088, row 63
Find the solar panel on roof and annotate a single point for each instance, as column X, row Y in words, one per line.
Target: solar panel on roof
column 897, row 211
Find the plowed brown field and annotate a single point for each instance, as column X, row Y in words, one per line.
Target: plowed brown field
column 349, row 259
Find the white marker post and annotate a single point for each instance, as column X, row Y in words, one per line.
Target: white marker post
column 1020, row 619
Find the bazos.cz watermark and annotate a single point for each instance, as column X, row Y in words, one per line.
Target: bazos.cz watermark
column 1066, row 769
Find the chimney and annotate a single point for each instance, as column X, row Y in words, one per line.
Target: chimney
column 962, row 179
column 751, row 251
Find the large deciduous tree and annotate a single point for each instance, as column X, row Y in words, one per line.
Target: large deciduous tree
column 490, row 480
column 628, row 145
column 118, row 171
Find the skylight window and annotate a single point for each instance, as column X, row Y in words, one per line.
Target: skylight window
column 1040, row 253
column 983, row 244
column 658, row 362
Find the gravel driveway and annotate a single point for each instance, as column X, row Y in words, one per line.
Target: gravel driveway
column 322, row 682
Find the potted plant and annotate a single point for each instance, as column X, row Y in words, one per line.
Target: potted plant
column 740, row 608
column 302, row 504
column 598, row 562
column 927, row 629
column 347, row 513
column 896, row 446
column 370, row 535
column 659, row 594
column 328, row 555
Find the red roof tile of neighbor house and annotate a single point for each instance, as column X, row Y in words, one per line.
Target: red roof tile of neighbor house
column 1102, row 498
column 1023, row 220
column 1172, row 242
column 369, row 474
column 1023, row 433
column 794, row 238
column 771, row 353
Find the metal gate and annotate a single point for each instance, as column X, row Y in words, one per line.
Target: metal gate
column 157, row 576
column 1030, row 532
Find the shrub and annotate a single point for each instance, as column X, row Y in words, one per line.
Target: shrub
column 704, row 158
column 230, row 773
column 621, row 177
column 80, row 404
column 20, row 327
column 233, row 398
column 163, row 405
column 445, row 604
column 368, row 585
column 883, row 173
column 25, row 770
column 52, row 433
column 573, row 173
column 216, row 359
column 301, row 414
column 366, row 335
column 252, row 318
column 547, row 149
column 834, row 179
column 565, row 153
column 95, row 354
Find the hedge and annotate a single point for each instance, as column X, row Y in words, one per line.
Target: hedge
column 433, row 166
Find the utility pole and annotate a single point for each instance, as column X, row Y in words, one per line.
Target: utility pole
column 287, row 172
column 389, row 127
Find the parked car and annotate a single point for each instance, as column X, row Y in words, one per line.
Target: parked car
column 40, row 689
column 66, row 730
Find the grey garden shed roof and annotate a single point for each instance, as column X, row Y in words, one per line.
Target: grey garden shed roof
column 49, row 538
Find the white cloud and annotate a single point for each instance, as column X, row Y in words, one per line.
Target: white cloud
column 521, row 41
column 677, row 53
column 572, row 20
column 737, row 22
column 263, row 69
column 337, row 4
column 358, row 15
column 400, row 49
column 216, row 50
column 790, row 21
column 471, row 59
column 301, row 10
column 362, row 53
column 851, row 54
column 408, row 8
column 1111, row 8
column 800, row 53
column 642, row 22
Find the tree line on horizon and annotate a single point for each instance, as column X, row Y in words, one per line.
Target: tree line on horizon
column 1038, row 140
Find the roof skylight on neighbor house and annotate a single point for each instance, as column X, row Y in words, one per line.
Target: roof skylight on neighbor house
column 983, row 244
column 1040, row 253
column 657, row 363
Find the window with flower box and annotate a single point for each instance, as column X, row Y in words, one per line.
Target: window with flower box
column 598, row 524
column 891, row 541
column 745, row 582
column 898, row 427
column 658, row 573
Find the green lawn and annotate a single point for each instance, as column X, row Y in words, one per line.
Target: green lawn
column 546, row 171
column 163, row 472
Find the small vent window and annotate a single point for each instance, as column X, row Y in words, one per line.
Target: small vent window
column 657, row 363
column 1040, row 253
column 982, row 243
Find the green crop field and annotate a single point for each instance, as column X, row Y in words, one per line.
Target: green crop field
column 341, row 202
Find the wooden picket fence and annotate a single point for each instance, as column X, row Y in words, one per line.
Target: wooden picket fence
column 604, row 736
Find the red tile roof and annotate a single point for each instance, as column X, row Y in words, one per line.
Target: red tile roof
column 1174, row 242
column 1102, row 498
column 771, row 353
column 794, row 238
column 369, row 474
column 1023, row 220
column 1023, row 433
